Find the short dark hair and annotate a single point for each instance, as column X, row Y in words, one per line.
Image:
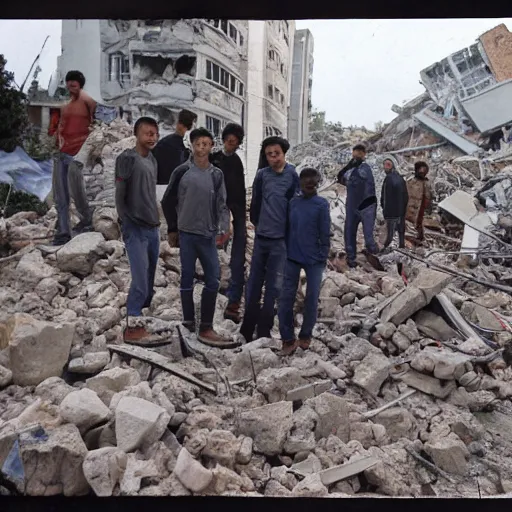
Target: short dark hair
column 200, row 132
column 144, row 120
column 233, row 129
column 419, row 165
column 76, row 76
column 187, row 118
column 308, row 172
column 275, row 141
column 359, row 147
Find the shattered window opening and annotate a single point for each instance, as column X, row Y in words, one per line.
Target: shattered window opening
column 155, row 63
column 233, row 32
column 119, row 68
column 241, row 41
column 185, row 65
column 270, row 91
column 224, row 26
column 224, row 78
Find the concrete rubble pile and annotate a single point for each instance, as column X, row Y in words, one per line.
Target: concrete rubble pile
column 405, row 390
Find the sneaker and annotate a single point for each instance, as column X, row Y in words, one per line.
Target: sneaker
column 232, row 312
column 304, row 343
column 289, row 347
column 212, row 339
column 142, row 338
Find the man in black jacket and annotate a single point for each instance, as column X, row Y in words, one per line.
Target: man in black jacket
column 230, row 164
column 170, row 152
column 394, row 199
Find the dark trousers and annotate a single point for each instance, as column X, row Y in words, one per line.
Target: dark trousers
column 68, row 183
column 143, row 248
column 237, row 261
column 267, row 266
column 287, row 300
column 192, row 248
column 353, row 217
column 392, row 226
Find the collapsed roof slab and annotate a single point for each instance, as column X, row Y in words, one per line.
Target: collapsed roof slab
column 491, row 108
column 426, row 118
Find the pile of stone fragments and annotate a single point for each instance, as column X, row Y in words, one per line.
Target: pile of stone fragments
column 405, row 390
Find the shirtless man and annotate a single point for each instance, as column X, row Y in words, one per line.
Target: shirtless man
column 74, row 126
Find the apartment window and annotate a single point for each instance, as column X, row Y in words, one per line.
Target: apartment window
column 272, row 55
column 214, row 126
column 119, row 68
column 233, row 32
column 221, row 76
column 282, row 99
column 224, row 26
column 270, row 91
column 241, row 39
column 214, row 23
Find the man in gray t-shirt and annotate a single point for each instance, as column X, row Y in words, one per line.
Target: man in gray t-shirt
column 197, row 218
column 137, row 209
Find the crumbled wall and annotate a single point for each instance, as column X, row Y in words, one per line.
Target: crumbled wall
column 497, row 44
column 167, row 62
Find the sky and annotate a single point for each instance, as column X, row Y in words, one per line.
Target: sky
column 362, row 67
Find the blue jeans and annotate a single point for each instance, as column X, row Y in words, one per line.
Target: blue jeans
column 192, row 248
column 237, row 261
column 353, row 217
column 267, row 265
column 290, row 284
column 68, row 183
column 143, row 248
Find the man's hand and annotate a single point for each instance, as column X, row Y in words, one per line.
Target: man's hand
column 221, row 240
column 173, row 239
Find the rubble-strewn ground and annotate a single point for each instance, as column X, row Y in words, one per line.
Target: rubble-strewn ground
column 405, row 390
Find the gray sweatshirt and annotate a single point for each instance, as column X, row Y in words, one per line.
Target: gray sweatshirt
column 136, row 188
column 195, row 201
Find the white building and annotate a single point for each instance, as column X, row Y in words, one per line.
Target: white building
column 302, row 82
column 223, row 70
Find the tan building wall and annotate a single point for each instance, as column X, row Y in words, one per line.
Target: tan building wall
column 497, row 44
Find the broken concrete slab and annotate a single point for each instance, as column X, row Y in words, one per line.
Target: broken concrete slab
column 191, row 473
column 337, row 473
column 449, row 453
column 441, row 362
column 434, row 326
column 417, row 295
column 427, row 384
column 333, row 416
column 309, row 390
column 84, row 409
column 109, row 382
column 139, row 422
column 371, row 372
column 103, row 469
column 80, row 254
column 268, row 426
column 37, row 349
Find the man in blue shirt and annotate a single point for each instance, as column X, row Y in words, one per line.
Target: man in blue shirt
column 308, row 239
column 273, row 188
column 361, row 204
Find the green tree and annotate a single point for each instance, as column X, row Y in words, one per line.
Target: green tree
column 13, row 111
column 317, row 121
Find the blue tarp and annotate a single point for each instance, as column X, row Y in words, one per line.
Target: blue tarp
column 25, row 174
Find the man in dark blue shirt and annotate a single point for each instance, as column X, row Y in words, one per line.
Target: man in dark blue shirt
column 273, row 188
column 308, row 248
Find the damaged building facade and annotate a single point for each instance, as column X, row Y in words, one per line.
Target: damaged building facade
column 302, row 82
column 158, row 67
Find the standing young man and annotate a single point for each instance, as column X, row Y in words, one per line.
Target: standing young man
column 361, row 204
column 274, row 187
column 74, row 126
column 137, row 210
column 393, row 200
column 170, row 151
column 194, row 206
column 308, row 248
column 420, row 195
column 231, row 166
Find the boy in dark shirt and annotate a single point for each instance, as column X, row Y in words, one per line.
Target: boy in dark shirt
column 394, row 198
column 274, row 187
column 308, row 248
column 170, row 151
column 197, row 217
column 137, row 209
column 231, row 166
